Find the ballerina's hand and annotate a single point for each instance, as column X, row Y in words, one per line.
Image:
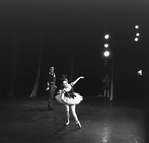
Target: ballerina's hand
column 82, row 77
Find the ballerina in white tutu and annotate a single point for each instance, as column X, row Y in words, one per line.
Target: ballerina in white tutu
column 70, row 98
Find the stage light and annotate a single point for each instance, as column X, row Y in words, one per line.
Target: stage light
column 137, row 34
column 106, row 45
column 107, row 36
column 136, row 39
column 106, row 53
column 137, row 26
column 139, row 72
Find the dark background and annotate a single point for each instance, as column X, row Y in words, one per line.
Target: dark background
column 69, row 35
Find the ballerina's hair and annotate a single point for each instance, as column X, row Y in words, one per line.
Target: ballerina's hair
column 65, row 79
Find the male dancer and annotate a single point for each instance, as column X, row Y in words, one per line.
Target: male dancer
column 51, row 87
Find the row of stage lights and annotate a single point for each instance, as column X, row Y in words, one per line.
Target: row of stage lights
column 107, row 49
column 136, row 39
column 137, row 34
column 107, row 37
column 106, row 45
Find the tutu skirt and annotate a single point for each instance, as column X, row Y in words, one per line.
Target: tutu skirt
column 69, row 100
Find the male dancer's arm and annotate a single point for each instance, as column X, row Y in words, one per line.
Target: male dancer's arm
column 48, row 82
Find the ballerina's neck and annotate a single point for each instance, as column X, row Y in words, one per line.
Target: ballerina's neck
column 68, row 88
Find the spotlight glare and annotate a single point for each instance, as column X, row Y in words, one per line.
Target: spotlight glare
column 137, row 26
column 106, row 53
column 137, row 34
column 139, row 72
column 136, row 39
column 106, row 45
column 107, row 36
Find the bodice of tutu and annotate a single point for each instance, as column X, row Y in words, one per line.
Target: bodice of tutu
column 69, row 92
column 68, row 96
column 69, row 88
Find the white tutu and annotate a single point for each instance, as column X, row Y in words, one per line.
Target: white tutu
column 69, row 100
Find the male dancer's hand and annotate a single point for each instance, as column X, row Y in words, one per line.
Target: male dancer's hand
column 47, row 88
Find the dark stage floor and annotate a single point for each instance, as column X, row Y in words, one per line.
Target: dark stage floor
column 27, row 120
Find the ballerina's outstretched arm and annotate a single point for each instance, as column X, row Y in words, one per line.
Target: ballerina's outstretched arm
column 74, row 82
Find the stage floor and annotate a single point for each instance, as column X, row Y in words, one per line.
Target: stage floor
column 27, row 120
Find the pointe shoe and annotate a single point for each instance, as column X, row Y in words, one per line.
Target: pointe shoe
column 78, row 123
column 67, row 123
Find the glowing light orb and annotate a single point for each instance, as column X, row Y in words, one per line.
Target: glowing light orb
column 106, row 45
column 107, row 36
column 137, row 26
column 139, row 72
column 106, row 53
column 136, row 39
column 137, row 34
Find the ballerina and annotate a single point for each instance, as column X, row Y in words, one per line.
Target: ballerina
column 70, row 99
